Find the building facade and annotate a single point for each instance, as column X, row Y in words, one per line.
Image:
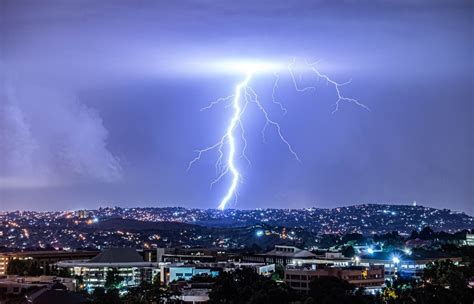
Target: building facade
column 367, row 277
column 470, row 239
column 407, row 265
column 130, row 266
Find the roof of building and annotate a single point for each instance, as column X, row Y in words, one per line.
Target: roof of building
column 117, row 255
column 290, row 251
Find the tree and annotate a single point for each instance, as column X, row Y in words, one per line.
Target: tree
column 79, row 282
column 443, row 283
column 24, row 268
column 246, row 286
column 151, row 293
column 279, row 273
column 63, row 272
column 414, row 235
column 354, row 239
column 112, row 279
column 348, row 251
column 328, row 240
column 328, row 290
column 445, row 274
column 100, row 296
column 391, row 240
column 427, row 234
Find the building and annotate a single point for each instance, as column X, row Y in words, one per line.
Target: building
column 194, row 295
column 470, row 239
column 282, row 255
column 3, row 264
column 43, row 258
column 409, row 264
column 174, row 272
column 371, row 278
column 331, row 258
column 193, row 292
column 289, row 255
column 129, row 264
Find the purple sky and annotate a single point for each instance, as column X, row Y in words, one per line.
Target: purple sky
column 100, row 103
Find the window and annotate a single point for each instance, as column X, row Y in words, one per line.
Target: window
column 295, row 284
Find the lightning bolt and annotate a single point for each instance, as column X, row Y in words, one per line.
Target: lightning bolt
column 243, row 95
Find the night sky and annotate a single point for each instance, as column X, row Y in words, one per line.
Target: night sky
column 100, row 103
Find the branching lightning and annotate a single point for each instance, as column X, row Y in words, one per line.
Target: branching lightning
column 243, row 95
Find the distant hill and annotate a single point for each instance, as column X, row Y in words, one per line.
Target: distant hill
column 136, row 225
column 263, row 228
column 365, row 218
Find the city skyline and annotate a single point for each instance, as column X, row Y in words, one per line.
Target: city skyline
column 102, row 104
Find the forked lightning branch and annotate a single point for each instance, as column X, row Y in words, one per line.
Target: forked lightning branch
column 244, row 95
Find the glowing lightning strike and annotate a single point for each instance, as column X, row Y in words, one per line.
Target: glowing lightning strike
column 242, row 96
column 230, row 137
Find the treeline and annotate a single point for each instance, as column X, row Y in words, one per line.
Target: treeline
column 31, row 267
column 393, row 239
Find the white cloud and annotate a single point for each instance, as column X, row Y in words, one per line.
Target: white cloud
column 49, row 138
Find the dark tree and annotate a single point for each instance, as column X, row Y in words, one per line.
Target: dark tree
column 449, row 276
column 279, row 273
column 100, row 296
column 354, row 239
column 391, row 240
column 328, row 290
column 414, row 235
column 24, row 268
column 443, row 283
column 246, row 286
column 62, row 272
column 427, row 234
column 329, row 240
column 348, row 251
column 112, row 279
column 151, row 293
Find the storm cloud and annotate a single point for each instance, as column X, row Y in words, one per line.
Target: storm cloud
column 100, row 102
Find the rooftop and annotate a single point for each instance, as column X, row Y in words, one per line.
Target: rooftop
column 290, row 251
column 117, row 255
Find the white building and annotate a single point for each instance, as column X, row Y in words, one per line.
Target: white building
column 470, row 239
column 129, row 264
